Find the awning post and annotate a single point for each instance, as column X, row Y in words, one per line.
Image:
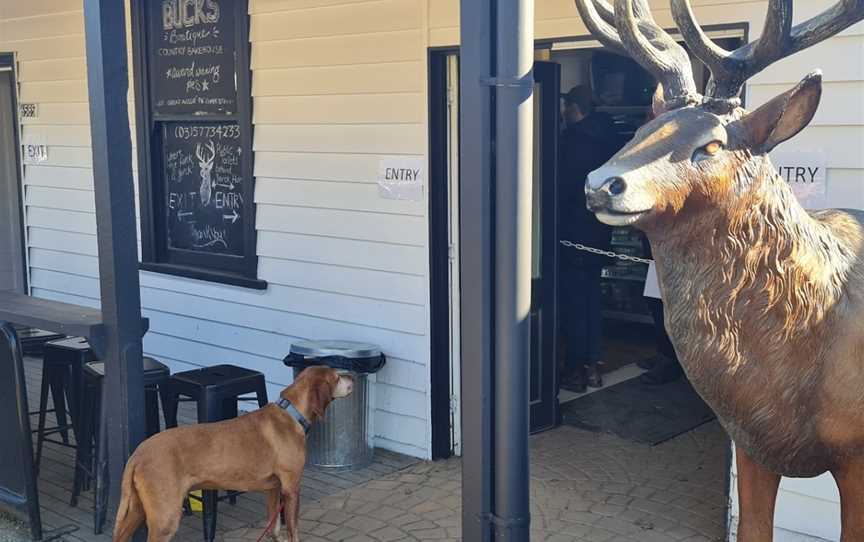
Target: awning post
column 476, row 266
column 108, row 85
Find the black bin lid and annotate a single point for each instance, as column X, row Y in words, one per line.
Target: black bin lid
column 353, row 356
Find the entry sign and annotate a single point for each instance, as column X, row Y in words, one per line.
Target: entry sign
column 805, row 172
column 401, row 178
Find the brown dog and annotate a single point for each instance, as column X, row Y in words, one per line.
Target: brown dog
column 264, row 450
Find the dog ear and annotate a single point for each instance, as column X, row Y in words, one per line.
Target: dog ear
column 320, row 396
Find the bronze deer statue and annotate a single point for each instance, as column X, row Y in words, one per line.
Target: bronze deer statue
column 764, row 300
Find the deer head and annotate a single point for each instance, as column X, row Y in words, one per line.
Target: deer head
column 205, row 162
column 701, row 152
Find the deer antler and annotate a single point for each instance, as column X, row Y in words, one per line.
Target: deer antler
column 630, row 29
column 731, row 69
column 600, row 20
column 209, row 146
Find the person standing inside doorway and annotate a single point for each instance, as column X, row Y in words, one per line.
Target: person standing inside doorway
column 588, row 140
column 664, row 367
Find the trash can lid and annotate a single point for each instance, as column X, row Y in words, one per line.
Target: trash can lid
column 345, row 349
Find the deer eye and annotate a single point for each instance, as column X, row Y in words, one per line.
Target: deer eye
column 707, row 151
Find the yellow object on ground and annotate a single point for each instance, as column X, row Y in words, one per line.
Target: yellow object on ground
column 196, row 504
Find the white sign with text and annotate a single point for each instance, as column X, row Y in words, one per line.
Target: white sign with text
column 652, row 283
column 805, row 171
column 401, row 177
column 34, row 150
column 28, row 111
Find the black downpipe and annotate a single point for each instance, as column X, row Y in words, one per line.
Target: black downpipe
column 496, row 136
column 513, row 178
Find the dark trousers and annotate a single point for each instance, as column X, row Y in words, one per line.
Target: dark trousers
column 580, row 318
column 664, row 345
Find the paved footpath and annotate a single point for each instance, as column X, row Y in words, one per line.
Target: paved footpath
column 585, row 487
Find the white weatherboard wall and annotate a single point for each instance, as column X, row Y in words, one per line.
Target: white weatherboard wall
column 806, row 508
column 337, row 84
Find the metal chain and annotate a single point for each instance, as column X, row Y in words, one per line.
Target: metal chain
column 607, row 253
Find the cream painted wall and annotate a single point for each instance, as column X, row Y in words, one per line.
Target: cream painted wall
column 336, row 85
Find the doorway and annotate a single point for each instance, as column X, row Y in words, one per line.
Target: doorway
column 619, row 371
column 444, row 250
column 543, row 392
column 12, row 255
column 630, row 340
column 573, row 446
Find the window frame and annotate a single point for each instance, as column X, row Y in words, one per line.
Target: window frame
column 156, row 255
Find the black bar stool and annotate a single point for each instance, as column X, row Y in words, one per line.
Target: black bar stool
column 91, row 457
column 62, row 363
column 33, row 340
column 216, row 390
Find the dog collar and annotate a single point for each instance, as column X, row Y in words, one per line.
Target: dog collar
column 286, row 405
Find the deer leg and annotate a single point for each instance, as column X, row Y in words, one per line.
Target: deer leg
column 757, row 495
column 850, row 481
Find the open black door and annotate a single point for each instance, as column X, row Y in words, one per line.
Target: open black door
column 12, row 266
column 544, row 374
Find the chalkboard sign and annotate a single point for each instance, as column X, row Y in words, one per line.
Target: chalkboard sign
column 193, row 57
column 195, row 161
column 18, row 494
column 204, row 186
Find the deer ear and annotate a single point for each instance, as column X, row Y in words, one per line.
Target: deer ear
column 784, row 116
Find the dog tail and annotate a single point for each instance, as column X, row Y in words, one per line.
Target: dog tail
column 128, row 516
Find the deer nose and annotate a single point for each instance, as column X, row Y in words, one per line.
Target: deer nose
column 615, row 185
column 596, row 200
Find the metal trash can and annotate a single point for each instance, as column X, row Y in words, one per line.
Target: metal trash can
column 342, row 439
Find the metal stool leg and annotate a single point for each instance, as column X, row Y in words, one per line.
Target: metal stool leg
column 170, row 405
column 167, row 402
column 73, row 394
column 229, row 412
column 43, row 413
column 58, row 395
column 261, row 392
column 100, row 506
column 84, row 440
column 211, row 502
column 151, row 411
column 209, row 410
column 229, row 409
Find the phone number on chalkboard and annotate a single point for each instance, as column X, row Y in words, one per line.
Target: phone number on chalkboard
column 221, row 131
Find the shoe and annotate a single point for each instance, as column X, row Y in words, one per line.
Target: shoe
column 666, row 371
column 648, row 363
column 593, row 378
column 574, row 381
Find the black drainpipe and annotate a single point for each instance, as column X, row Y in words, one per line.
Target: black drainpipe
column 496, row 149
column 513, row 179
